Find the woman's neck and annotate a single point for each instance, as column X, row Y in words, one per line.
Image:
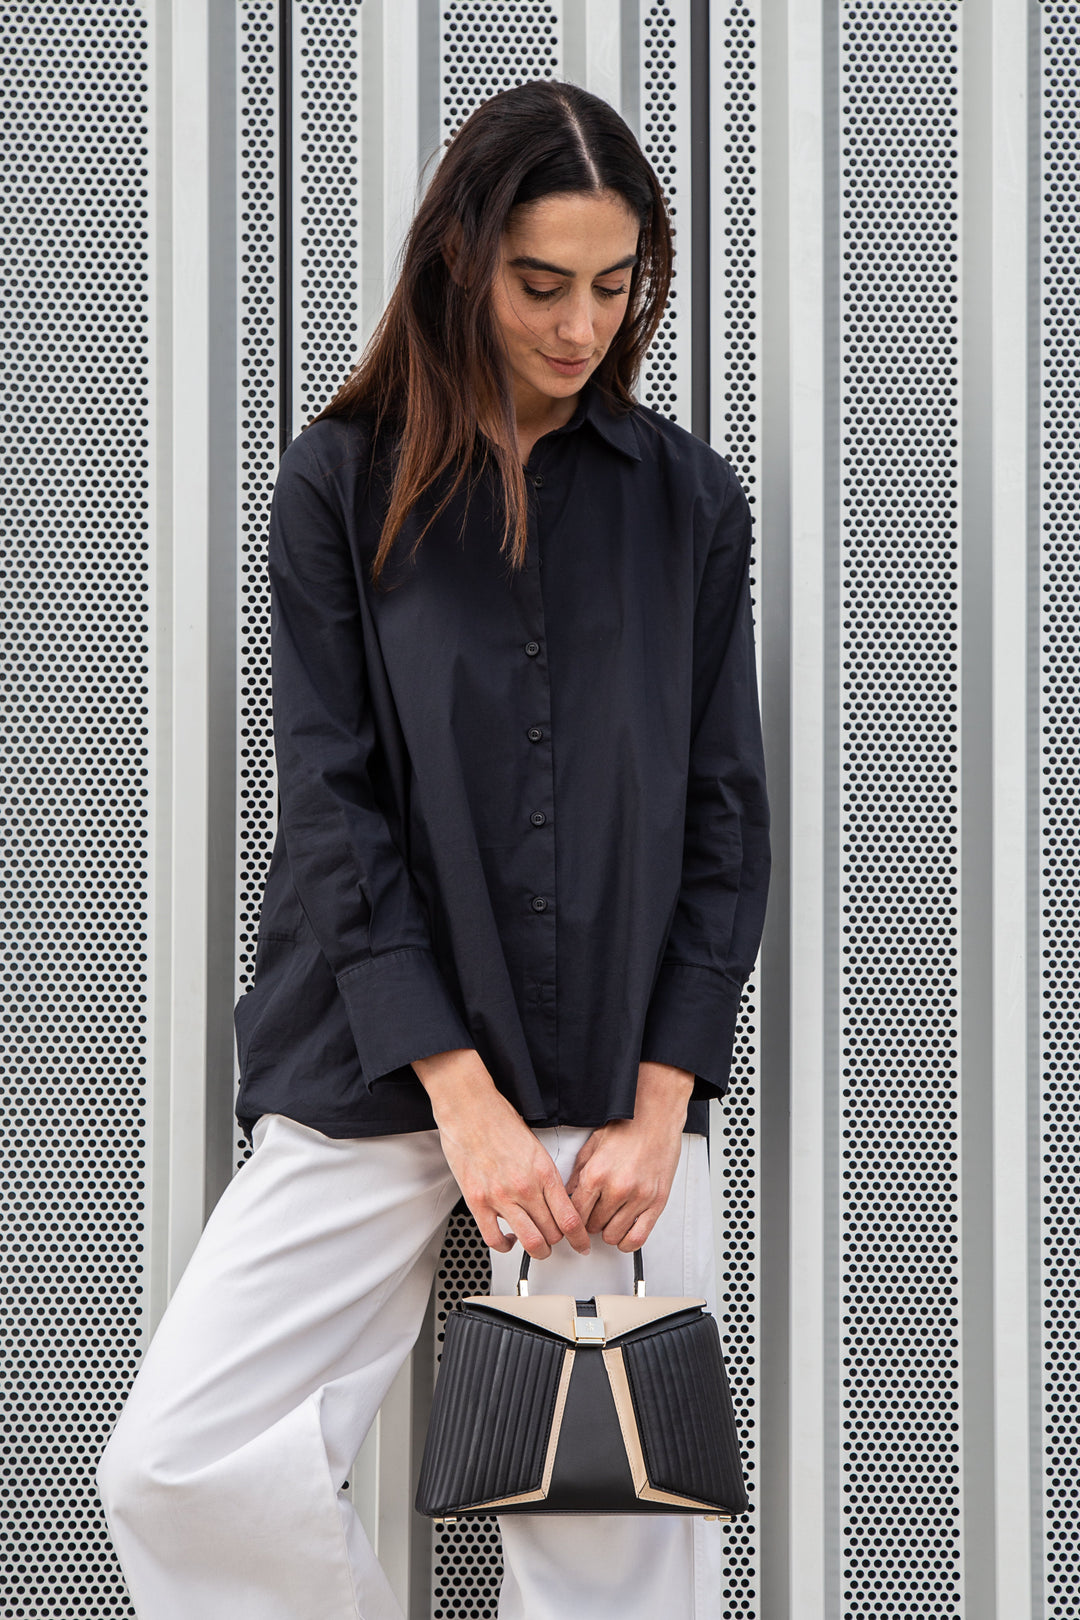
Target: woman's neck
column 540, row 416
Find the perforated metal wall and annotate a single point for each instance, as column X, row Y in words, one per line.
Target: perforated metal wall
column 899, row 94
column 262, row 379
column 882, row 1382
column 75, row 859
column 735, row 314
column 483, row 50
column 1060, row 891
column 664, row 46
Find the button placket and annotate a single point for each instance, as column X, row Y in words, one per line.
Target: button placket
column 538, row 848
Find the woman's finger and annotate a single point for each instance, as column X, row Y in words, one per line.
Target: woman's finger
column 639, row 1231
column 542, row 1219
column 489, row 1229
column 623, row 1221
column 567, row 1216
column 530, row 1237
column 585, row 1200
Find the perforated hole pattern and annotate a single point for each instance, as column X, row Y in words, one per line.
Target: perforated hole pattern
column 736, row 1144
column 900, row 113
column 1060, row 607
column 486, row 48
column 259, row 382
column 74, row 864
column 664, row 76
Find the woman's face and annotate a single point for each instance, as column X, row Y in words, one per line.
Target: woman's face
column 561, row 289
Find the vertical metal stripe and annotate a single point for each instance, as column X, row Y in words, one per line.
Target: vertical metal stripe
column 774, row 517
column 728, row 276
column 665, row 139
column 1007, row 459
column 979, row 809
column 806, row 1270
column 188, row 526
column 84, row 262
column 696, row 160
column 262, row 322
column 286, row 154
column 901, row 838
column 1058, row 888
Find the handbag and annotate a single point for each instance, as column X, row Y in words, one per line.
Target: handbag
column 615, row 1404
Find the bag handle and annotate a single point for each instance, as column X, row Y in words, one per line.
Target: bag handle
column 639, row 1275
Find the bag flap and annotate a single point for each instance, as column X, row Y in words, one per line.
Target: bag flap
column 623, row 1313
column 557, row 1313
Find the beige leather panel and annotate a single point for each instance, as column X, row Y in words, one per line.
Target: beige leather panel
column 651, row 1495
column 556, row 1421
column 503, row 1501
column 624, row 1407
column 624, row 1312
column 553, row 1312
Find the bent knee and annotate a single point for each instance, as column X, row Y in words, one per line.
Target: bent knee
column 120, row 1473
column 134, row 1471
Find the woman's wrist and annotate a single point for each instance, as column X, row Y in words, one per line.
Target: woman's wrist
column 663, row 1086
column 454, row 1076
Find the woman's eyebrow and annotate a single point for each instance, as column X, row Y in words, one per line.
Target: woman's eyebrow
column 525, row 261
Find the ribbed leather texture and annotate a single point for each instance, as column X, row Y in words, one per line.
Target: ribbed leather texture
column 683, row 1406
column 491, row 1415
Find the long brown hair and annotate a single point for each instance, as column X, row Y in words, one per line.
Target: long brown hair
column 434, row 372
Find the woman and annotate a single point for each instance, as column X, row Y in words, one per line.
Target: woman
column 518, row 883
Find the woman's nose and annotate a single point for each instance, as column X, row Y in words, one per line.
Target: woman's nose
column 576, row 326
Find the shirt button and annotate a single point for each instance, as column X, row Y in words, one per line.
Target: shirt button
column 539, row 903
column 538, row 480
column 532, row 648
column 534, row 734
column 538, row 818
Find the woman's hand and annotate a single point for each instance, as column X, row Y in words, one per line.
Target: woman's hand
column 498, row 1163
column 623, row 1174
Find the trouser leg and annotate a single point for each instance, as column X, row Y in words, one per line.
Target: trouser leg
column 619, row 1566
column 221, row 1482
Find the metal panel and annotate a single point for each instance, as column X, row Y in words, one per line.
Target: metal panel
column 81, row 777
column 892, row 372
column 900, row 1331
column 264, row 395
column 733, row 266
column 663, row 78
column 1059, row 1340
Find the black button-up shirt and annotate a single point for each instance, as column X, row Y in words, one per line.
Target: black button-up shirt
column 522, row 812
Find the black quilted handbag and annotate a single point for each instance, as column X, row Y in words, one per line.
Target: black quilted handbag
column 616, row 1404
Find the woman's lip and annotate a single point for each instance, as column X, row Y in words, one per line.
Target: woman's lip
column 569, row 368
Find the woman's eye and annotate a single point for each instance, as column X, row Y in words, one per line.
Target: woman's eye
column 542, row 293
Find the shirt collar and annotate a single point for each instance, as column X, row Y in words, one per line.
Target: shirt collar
column 618, row 431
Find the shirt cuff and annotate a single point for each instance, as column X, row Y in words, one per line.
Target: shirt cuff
column 691, row 1024
column 399, row 1008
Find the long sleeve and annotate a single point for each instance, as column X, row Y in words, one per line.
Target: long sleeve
column 350, row 878
column 720, row 912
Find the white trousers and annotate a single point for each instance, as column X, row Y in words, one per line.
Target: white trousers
column 221, row 1482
